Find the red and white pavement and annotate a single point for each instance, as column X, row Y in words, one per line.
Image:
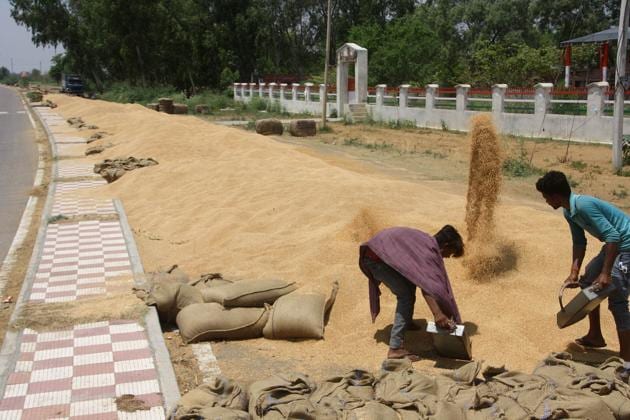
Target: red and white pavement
column 79, row 372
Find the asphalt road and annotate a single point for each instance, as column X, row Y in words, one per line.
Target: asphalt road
column 18, row 164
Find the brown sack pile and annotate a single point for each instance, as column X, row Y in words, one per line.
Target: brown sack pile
column 112, row 169
column 299, row 315
column 558, row 389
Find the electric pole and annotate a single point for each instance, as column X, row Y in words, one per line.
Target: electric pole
column 324, row 100
column 620, row 79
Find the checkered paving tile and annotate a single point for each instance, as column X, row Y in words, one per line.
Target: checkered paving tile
column 82, row 206
column 78, row 374
column 66, row 187
column 81, row 260
column 69, row 169
column 71, row 150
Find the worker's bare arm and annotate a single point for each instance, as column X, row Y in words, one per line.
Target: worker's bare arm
column 576, row 264
column 441, row 320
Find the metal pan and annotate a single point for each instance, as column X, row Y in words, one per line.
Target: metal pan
column 580, row 306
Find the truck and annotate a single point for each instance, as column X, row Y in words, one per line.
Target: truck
column 71, row 83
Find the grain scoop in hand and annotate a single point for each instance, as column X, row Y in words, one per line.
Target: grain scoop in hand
column 581, row 305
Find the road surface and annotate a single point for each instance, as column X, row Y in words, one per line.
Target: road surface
column 18, row 164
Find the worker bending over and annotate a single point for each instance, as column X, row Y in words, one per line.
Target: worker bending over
column 403, row 259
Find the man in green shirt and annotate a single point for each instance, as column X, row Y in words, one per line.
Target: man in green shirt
column 612, row 265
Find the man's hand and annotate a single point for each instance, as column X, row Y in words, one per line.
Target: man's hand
column 572, row 281
column 442, row 321
column 602, row 281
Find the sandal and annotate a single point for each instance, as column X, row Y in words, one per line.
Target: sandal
column 585, row 342
column 406, row 355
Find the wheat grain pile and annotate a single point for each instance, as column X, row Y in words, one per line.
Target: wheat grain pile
column 227, row 200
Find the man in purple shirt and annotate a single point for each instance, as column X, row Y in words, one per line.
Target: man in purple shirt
column 403, row 259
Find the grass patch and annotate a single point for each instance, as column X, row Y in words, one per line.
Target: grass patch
column 370, row 146
column 434, row 154
column 621, row 194
column 519, row 167
column 325, row 129
column 579, row 165
column 57, row 218
column 623, row 172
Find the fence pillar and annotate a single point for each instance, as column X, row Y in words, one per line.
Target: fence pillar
column 430, row 96
column 307, row 91
column 283, row 87
column 596, row 100
column 235, row 90
column 461, row 99
column 498, row 97
column 272, row 87
column 380, row 95
column 542, row 103
column 403, row 96
column 243, row 90
column 294, row 91
column 251, row 89
column 261, row 90
column 322, row 93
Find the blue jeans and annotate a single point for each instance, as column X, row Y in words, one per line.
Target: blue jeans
column 618, row 299
column 405, row 292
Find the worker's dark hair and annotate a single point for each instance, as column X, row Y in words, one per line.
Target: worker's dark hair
column 554, row 182
column 449, row 237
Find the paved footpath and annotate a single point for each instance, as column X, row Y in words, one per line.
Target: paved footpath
column 79, row 372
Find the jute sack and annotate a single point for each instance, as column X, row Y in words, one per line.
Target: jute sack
column 170, row 297
column 163, row 294
column 210, row 321
column 214, row 413
column 219, row 392
column 300, row 315
column 248, row 293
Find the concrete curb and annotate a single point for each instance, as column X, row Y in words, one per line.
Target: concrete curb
column 166, row 373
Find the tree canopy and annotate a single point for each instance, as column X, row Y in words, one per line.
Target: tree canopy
column 204, row 43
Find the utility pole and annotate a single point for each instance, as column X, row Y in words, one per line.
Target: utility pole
column 324, row 100
column 620, row 78
column 11, row 65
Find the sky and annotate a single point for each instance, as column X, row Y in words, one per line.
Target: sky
column 15, row 42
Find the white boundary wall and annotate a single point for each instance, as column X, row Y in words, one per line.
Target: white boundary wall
column 592, row 127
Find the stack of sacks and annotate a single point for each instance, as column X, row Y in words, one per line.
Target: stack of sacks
column 559, row 389
column 232, row 311
column 215, row 308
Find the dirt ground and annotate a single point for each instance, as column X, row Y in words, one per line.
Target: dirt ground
column 227, row 200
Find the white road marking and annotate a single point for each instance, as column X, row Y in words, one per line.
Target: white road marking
column 3, row 112
column 20, row 112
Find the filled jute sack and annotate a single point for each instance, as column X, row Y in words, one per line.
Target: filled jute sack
column 248, row 293
column 211, row 321
column 300, row 315
column 170, row 297
column 220, row 392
